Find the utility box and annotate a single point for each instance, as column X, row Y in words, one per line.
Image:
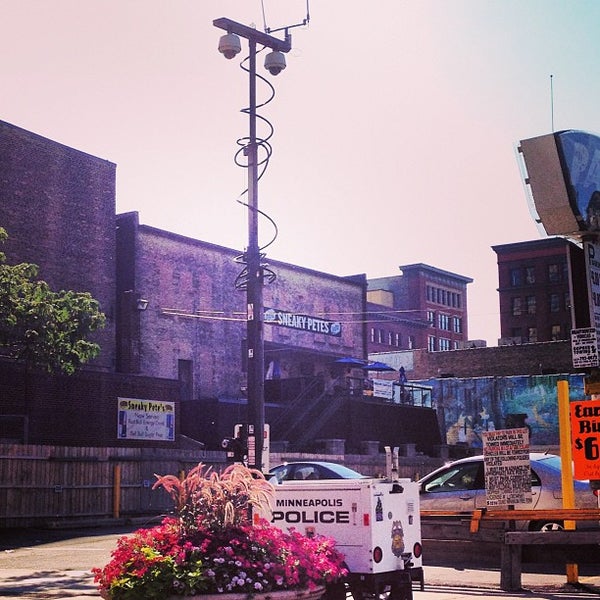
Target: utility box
column 375, row 522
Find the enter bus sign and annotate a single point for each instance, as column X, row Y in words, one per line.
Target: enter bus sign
column 585, row 438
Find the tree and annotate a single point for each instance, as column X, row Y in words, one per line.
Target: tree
column 42, row 327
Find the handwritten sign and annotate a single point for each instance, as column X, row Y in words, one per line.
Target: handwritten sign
column 507, row 467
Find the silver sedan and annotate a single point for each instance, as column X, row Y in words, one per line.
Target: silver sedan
column 460, row 487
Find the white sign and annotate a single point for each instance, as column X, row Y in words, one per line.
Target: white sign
column 584, row 347
column 383, row 388
column 145, row 420
column 507, row 466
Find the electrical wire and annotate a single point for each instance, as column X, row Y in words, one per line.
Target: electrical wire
column 264, row 151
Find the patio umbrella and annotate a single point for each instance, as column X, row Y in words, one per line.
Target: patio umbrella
column 351, row 361
column 377, row 366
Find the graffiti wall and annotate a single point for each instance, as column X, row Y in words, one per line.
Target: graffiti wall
column 467, row 407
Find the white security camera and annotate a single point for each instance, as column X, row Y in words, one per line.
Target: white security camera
column 275, row 62
column 229, row 45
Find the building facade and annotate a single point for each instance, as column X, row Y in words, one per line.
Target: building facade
column 542, row 290
column 58, row 206
column 424, row 307
column 193, row 323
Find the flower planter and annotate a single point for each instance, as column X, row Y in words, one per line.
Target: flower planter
column 212, row 543
column 305, row 594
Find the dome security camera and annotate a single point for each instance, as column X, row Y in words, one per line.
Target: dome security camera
column 275, row 62
column 229, row 45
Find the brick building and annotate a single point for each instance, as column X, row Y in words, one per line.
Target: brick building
column 193, row 327
column 172, row 359
column 424, row 307
column 58, row 207
column 542, row 289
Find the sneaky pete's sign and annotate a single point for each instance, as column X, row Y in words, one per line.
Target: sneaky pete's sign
column 272, row 316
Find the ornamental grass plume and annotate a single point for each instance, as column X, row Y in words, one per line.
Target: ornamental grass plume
column 212, row 546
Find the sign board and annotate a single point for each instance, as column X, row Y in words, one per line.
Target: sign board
column 273, row 316
column 383, row 388
column 507, row 467
column 592, row 264
column 145, row 420
column 584, row 347
column 585, row 438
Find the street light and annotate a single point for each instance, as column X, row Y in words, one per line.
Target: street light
column 229, row 46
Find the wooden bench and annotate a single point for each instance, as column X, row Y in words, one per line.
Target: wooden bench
column 511, row 550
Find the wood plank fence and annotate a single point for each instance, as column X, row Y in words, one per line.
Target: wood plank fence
column 42, row 486
column 46, row 485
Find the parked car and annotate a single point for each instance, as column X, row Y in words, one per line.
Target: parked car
column 301, row 471
column 459, row 486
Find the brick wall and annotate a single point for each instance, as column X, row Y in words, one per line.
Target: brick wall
column 58, row 206
column 525, row 359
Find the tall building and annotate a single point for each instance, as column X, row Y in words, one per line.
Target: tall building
column 543, row 290
column 424, row 307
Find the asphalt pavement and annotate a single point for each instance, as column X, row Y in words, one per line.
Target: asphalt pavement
column 57, row 564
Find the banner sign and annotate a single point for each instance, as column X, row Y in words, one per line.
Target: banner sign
column 145, row 420
column 281, row 318
column 507, row 467
column 585, row 438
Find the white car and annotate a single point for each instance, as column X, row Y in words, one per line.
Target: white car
column 459, row 487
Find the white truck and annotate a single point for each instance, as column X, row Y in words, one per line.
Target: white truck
column 375, row 523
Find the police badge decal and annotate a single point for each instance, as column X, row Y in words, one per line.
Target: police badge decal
column 397, row 538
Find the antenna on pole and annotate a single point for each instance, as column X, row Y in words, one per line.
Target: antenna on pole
column 552, row 101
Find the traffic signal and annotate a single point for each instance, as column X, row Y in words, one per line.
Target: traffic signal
column 236, row 449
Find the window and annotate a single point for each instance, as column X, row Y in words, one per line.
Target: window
column 515, row 277
column 555, row 333
column 373, row 335
column 530, row 300
column 411, row 342
column 553, row 273
column 431, row 343
column 444, row 322
column 530, row 275
column 431, row 317
column 515, row 306
column 567, row 301
column 380, row 336
column 398, row 340
column 516, row 332
column 554, row 300
column 532, row 334
column 457, row 325
column 390, row 338
column 444, row 344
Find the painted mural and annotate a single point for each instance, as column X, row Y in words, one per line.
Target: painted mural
column 467, row 407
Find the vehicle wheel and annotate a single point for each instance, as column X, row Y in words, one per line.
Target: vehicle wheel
column 546, row 526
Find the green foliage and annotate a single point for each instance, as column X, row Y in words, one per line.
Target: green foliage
column 43, row 327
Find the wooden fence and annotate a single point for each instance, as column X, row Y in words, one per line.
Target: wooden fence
column 54, row 485
column 46, row 485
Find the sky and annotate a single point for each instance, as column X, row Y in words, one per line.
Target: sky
column 395, row 122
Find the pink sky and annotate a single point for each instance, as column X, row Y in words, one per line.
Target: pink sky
column 395, row 121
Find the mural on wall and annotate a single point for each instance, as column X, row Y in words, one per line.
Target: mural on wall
column 467, row 407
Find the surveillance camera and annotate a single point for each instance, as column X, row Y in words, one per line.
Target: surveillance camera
column 275, row 62
column 229, row 45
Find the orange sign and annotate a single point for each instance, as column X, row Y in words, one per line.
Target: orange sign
column 585, row 438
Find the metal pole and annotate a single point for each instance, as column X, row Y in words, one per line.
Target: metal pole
column 254, row 291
